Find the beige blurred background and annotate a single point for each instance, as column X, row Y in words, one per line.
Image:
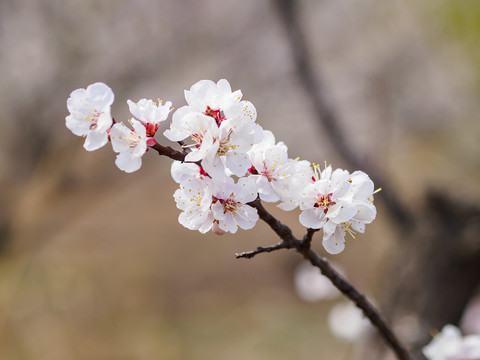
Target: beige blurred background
column 93, row 263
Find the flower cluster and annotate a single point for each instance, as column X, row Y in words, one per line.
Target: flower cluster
column 449, row 344
column 340, row 203
column 229, row 161
column 90, row 117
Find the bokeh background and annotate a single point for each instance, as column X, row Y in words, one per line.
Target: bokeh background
column 93, row 263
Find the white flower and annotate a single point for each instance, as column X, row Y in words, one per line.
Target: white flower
column 130, row 144
column 325, row 202
column 217, row 100
column 271, row 167
column 347, row 322
column 229, row 206
column 221, row 127
column 303, row 176
column 360, row 196
column 450, row 345
column 312, row 285
column 90, row 114
column 194, row 198
column 340, row 203
column 150, row 113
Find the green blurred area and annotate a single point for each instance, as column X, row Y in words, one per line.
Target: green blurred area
column 459, row 22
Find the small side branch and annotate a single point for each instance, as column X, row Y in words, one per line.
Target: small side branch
column 307, row 238
column 263, row 249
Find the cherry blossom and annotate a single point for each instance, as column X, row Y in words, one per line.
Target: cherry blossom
column 90, row 114
column 194, row 198
column 278, row 177
column 130, row 144
column 450, row 345
column 229, row 205
column 324, row 202
column 271, row 168
column 150, row 113
column 222, row 128
column 339, row 202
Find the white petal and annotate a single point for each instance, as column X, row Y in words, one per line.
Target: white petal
column 246, row 217
column 343, row 213
column 246, row 190
column 288, row 205
column 76, row 126
column 218, row 211
column 100, row 93
column 228, row 224
column 127, row 163
column 334, row 244
column 310, row 219
column 95, row 140
column 118, row 134
column 238, row 164
column 365, row 212
column 183, row 171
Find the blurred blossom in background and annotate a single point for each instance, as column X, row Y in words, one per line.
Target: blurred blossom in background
column 311, row 285
column 347, row 322
column 93, row 263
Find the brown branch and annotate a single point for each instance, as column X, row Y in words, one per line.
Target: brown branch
column 283, row 231
column 307, row 238
column 360, row 301
column 303, row 247
column 263, row 249
column 326, row 116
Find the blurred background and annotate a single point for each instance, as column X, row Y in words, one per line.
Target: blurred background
column 93, row 263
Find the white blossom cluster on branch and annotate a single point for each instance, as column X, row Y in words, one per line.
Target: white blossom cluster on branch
column 229, row 161
column 449, row 344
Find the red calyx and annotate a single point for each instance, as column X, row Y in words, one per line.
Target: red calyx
column 151, row 141
column 253, row 171
column 151, row 129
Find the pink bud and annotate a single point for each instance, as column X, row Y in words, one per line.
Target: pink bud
column 151, row 141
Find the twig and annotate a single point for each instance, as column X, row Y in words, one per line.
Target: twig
column 307, row 238
column 263, row 249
